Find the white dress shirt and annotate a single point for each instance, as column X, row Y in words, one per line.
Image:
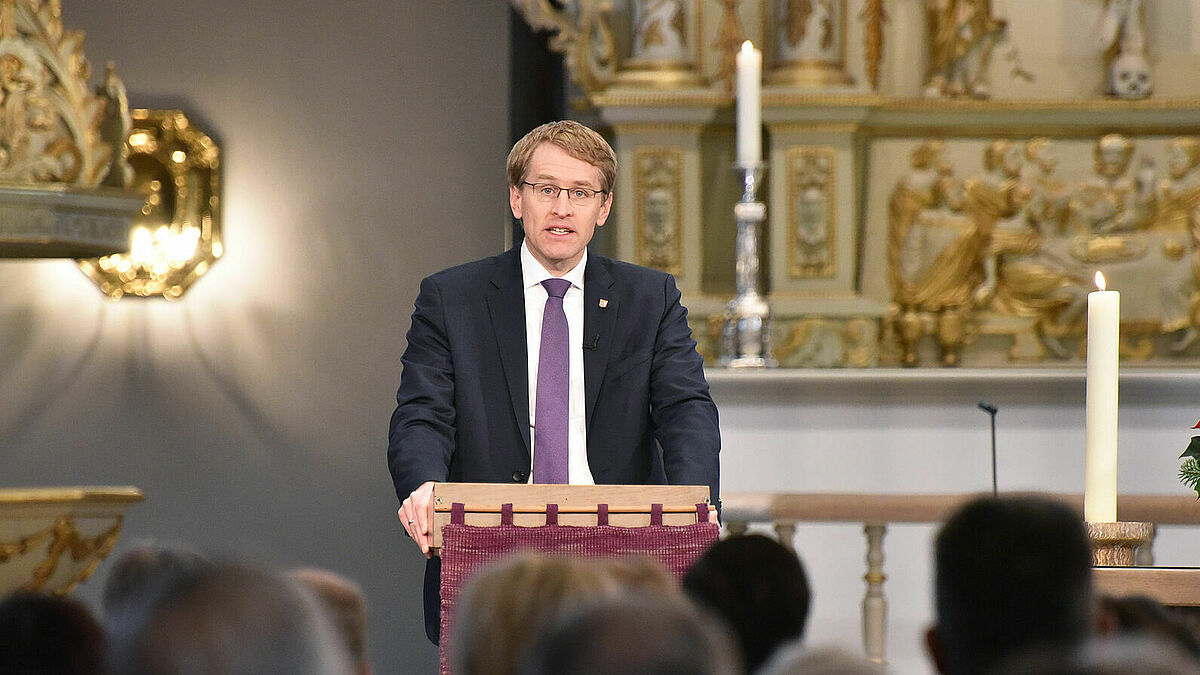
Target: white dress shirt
column 533, row 274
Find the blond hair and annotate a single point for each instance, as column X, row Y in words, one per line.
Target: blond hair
column 575, row 139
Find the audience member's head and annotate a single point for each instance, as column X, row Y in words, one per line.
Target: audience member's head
column 633, row 636
column 758, row 587
column 798, row 660
column 1141, row 616
column 48, row 635
column 507, row 604
column 235, row 620
column 1114, row 656
column 346, row 607
column 1011, row 573
column 144, row 571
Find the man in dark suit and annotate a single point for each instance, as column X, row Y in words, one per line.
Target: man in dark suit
column 637, row 408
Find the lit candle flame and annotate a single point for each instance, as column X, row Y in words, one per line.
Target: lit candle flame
column 747, row 46
column 1099, row 280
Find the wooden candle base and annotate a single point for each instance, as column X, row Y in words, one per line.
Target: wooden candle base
column 1114, row 544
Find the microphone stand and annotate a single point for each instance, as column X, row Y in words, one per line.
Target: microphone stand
column 991, row 410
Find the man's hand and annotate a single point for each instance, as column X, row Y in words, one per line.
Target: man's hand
column 416, row 515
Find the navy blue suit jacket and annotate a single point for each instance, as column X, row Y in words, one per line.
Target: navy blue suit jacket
column 462, row 411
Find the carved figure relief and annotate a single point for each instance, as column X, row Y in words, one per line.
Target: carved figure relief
column 811, row 206
column 1026, row 244
column 659, row 239
column 962, row 36
column 937, row 230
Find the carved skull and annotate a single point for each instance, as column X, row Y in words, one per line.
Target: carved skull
column 1130, row 76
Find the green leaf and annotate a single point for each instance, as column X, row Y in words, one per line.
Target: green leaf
column 1193, row 449
column 1189, row 474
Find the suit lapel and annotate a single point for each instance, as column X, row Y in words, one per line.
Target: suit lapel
column 506, row 304
column 600, row 305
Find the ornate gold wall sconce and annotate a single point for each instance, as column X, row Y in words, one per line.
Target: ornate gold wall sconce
column 177, row 236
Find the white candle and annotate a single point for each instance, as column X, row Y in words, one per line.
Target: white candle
column 1100, row 471
column 749, row 104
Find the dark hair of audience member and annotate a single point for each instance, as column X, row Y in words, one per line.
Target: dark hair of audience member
column 346, row 608
column 633, row 636
column 1139, row 615
column 1011, row 573
column 508, row 603
column 758, row 587
column 235, row 620
column 49, row 635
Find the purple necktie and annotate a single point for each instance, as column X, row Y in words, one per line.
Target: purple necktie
column 553, row 391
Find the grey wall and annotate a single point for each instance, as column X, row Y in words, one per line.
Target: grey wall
column 363, row 148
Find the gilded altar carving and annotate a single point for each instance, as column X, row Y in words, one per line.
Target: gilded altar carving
column 582, row 33
column 1018, row 242
column 659, row 208
column 51, row 123
column 962, row 36
column 63, row 162
column 812, row 208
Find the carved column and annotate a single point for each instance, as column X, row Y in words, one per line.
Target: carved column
column 822, row 319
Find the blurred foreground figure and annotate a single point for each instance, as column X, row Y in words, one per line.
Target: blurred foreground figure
column 508, row 604
column 346, row 608
column 634, row 636
column 234, row 620
column 1012, row 574
column 47, row 635
column 758, row 587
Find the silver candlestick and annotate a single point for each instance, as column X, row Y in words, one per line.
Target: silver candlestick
column 746, row 335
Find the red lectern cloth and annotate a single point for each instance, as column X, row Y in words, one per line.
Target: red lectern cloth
column 467, row 547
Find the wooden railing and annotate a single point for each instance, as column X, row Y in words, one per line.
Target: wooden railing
column 876, row 511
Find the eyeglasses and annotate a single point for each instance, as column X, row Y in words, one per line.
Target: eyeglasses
column 548, row 192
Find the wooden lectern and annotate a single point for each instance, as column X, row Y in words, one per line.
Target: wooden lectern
column 476, row 523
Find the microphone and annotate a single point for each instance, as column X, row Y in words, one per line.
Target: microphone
column 991, row 410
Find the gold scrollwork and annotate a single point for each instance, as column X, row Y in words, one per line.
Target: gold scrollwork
column 582, row 34
column 63, row 538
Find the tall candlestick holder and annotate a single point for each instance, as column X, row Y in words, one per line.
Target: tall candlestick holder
column 746, row 334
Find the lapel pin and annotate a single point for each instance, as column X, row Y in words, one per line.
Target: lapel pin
column 603, row 303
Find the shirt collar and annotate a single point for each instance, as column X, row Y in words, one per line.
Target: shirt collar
column 533, row 274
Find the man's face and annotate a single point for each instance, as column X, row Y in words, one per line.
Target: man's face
column 557, row 231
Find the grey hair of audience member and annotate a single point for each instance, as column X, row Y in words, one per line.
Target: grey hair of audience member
column 235, row 620
column 345, row 606
column 634, row 636
column 795, row 659
column 143, row 571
